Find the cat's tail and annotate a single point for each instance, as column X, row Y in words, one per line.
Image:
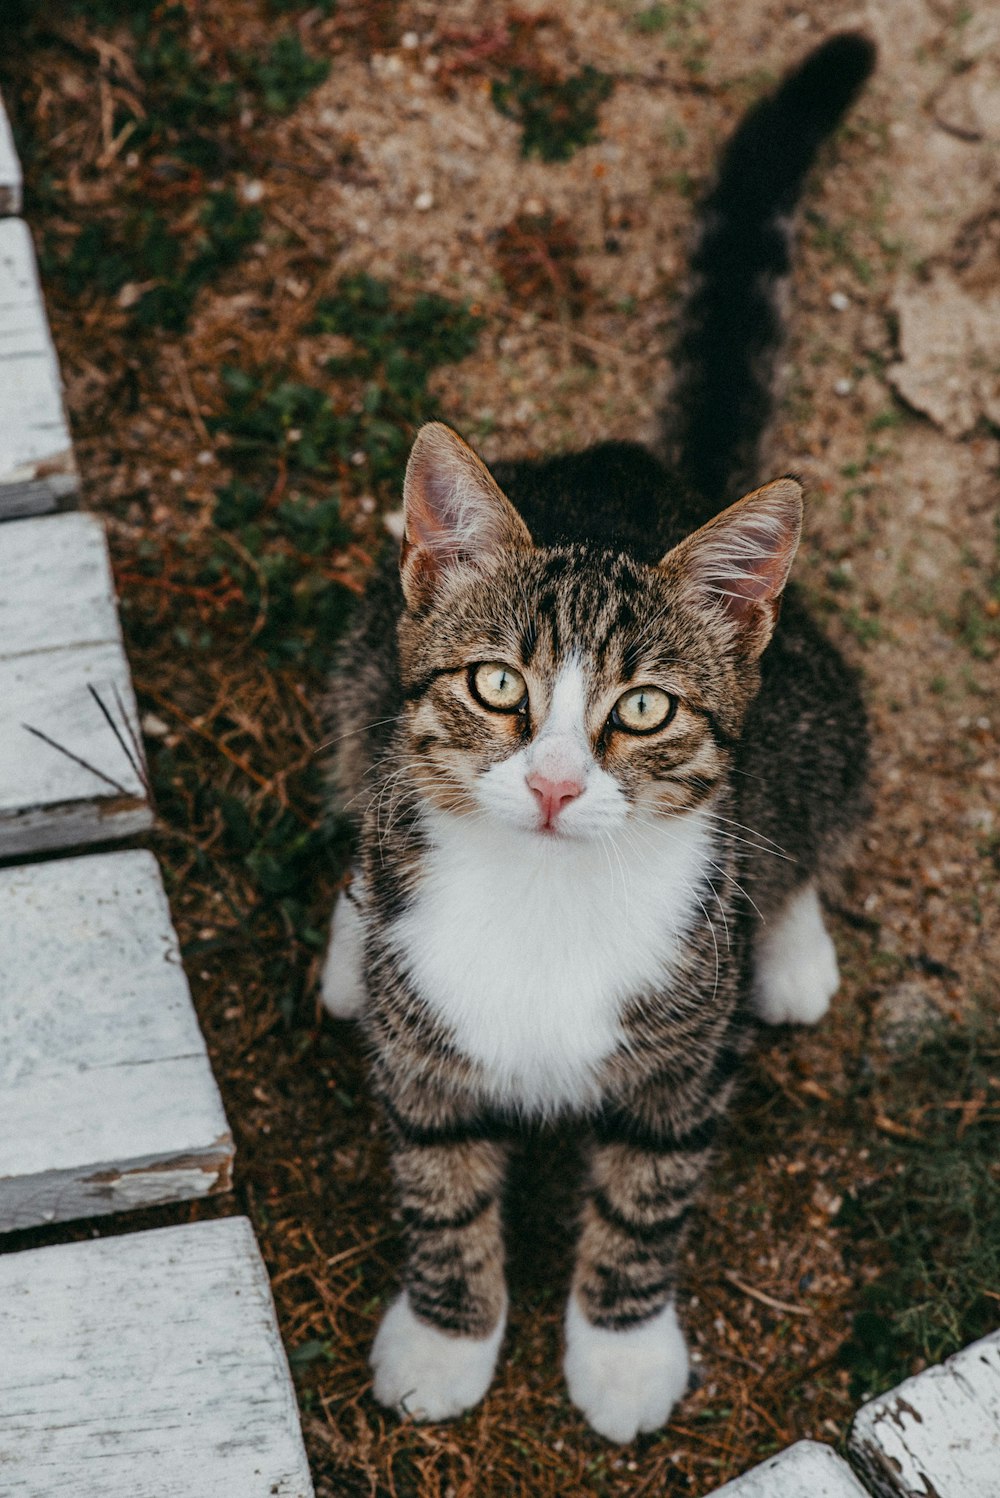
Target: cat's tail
column 731, row 328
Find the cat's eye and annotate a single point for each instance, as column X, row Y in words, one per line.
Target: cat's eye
column 498, row 687
column 643, row 710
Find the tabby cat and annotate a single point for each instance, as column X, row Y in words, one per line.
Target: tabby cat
column 600, row 792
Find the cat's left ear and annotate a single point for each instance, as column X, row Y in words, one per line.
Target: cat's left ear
column 454, row 512
column 737, row 565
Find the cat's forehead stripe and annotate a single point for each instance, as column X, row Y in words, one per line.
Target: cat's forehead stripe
column 587, row 603
column 568, row 705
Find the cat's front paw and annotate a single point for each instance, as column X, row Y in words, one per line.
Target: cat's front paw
column 342, row 982
column 795, row 965
column 628, row 1381
column 428, row 1374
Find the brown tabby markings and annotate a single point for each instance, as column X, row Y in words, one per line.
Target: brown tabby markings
column 763, row 761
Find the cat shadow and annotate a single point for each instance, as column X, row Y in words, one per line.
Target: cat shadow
column 541, row 1210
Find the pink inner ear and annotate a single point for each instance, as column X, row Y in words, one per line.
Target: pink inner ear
column 754, row 566
column 454, row 511
column 453, row 506
column 433, row 518
column 740, row 561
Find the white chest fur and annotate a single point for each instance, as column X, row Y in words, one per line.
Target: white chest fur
column 527, row 947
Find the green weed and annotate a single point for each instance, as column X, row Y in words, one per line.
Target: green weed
column 671, row 19
column 167, row 232
column 933, row 1214
column 286, row 75
column 144, row 247
column 303, row 443
column 557, row 116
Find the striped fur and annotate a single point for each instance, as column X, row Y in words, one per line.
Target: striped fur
column 600, row 960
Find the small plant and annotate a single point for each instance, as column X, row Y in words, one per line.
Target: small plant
column 168, row 233
column 933, row 1214
column 284, row 77
column 144, row 249
column 557, row 116
column 396, row 349
column 296, row 446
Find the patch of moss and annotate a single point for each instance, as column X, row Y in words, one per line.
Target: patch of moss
column 285, row 75
column 932, row 1217
column 295, row 446
column 557, row 115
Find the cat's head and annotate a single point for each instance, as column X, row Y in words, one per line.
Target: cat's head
column 566, row 690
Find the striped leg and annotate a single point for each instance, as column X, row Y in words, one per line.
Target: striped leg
column 626, row 1360
column 437, row 1345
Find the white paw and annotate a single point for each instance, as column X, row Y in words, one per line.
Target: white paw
column 795, row 965
column 342, row 983
column 427, row 1374
column 629, row 1381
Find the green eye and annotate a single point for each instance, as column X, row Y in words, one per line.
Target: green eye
column 643, row 710
column 498, row 687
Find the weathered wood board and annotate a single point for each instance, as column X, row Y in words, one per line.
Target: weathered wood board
column 59, row 635
column 37, row 468
column 936, row 1433
column 10, row 168
column 107, row 1099
column 145, row 1366
column 805, row 1470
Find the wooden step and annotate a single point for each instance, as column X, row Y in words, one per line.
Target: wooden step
column 143, row 1366
column 806, row 1470
column 936, row 1433
column 10, row 168
column 107, row 1099
column 60, row 638
column 37, row 468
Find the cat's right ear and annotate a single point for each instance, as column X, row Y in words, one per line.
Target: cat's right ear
column 454, row 513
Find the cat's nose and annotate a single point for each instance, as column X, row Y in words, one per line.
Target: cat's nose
column 553, row 795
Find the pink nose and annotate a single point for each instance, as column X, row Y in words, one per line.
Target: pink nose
column 553, row 795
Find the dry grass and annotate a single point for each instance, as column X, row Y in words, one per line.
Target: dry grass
column 243, row 513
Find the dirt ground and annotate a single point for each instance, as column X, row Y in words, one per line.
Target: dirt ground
column 399, row 164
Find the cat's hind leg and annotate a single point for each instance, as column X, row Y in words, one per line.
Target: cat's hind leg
column 795, row 966
column 342, row 982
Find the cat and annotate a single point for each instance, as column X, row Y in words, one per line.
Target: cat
column 601, row 789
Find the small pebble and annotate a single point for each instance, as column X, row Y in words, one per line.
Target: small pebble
column 410, row 40
column 839, row 301
column 843, row 387
column 423, row 201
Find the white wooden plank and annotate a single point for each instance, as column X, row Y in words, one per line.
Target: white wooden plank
column 107, row 1099
column 10, row 168
column 55, row 585
column 936, row 1433
column 59, row 636
column 37, row 468
column 143, row 1366
column 806, row 1470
